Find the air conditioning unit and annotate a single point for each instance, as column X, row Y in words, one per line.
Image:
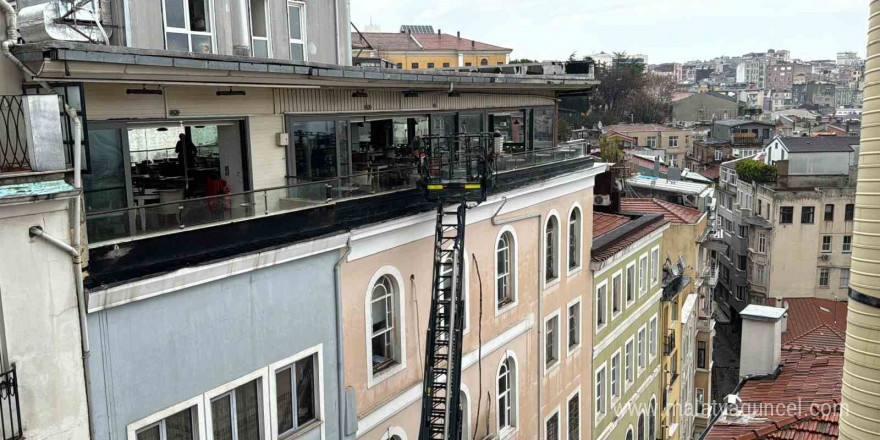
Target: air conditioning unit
column 602, row 200
column 825, row 257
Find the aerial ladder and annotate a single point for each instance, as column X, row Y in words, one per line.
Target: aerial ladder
column 455, row 171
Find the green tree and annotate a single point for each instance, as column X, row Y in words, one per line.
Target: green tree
column 752, row 170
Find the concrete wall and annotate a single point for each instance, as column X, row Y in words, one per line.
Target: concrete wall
column 40, row 322
column 10, row 75
column 762, row 341
column 157, row 352
column 819, row 164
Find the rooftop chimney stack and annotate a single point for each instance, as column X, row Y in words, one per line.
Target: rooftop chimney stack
column 761, row 351
column 458, row 34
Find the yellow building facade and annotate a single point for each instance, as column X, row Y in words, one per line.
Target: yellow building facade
column 427, row 51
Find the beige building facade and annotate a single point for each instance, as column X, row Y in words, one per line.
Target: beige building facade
column 676, row 144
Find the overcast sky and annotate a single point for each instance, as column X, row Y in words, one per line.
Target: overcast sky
column 665, row 30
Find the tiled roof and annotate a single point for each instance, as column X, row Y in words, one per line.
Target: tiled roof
column 637, row 128
column 678, row 214
column 604, row 223
column 402, row 41
column 822, row 144
column 608, row 250
column 648, row 163
column 711, row 173
column 809, row 384
column 814, row 322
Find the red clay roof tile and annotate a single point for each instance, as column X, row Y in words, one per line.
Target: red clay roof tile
column 677, row 214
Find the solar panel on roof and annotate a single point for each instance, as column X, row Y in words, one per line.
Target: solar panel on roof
column 417, row 29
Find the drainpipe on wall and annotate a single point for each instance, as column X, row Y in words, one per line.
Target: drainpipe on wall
column 36, row 231
column 241, row 34
column 340, row 361
column 860, row 412
column 539, row 216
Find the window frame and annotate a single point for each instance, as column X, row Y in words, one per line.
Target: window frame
column 762, row 242
column 263, row 399
column 303, row 23
column 197, row 402
column 600, row 396
column 603, row 309
column 655, row 266
column 510, row 395
column 704, row 349
column 629, row 363
column 841, row 283
column 616, row 376
column 641, row 350
column 557, row 339
column 512, row 278
column 189, row 33
column 849, row 212
column 575, row 394
column 808, row 213
column 643, row 274
column 673, row 141
column 318, row 353
column 827, row 272
column 580, row 325
column 375, row 378
column 579, row 252
column 635, row 283
column 552, row 250
column 653, row 331
column 619, row 300
column 826, row 244
column 558, row 414
column 846, row 244
column 828, row 213
column 268, row 20
column 786, row 218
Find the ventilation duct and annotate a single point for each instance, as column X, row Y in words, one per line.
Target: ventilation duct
column 42, row 20
column 241, row 34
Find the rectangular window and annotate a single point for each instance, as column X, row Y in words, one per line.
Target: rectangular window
column 296, row 396
column 179, row 426
column 844, row 278
column 552, row 427
column 743, row 231
column 829, row 212
column 296, row 25
column 652, row 141
column 850, row 212
column 237, row 412
column 847, row 244
column 786, row 215
column 673, row 141
column 188, row 26
column 643, row 274
column 808, row 214
column 414, row 65
column 742, row 262
column 640, row 350
column 652, row 336
column 430, row 65
column 629, row 363
column 762, row 242
column 601, row 293
column 655, row 266
column 826, row 243
column 616, row 294
column 699, row 400
column 551, row 343
column 600, row 393
column 445, row 64
column 630, row 283
column 259, row 29
column 701, row 354
column 400, row 65
column 718, row 153
column 574, row 326
column 823, row 277
column 673, row 311
column 574, row 417
column 468, row 64
column 759, row 274
column 615, row 376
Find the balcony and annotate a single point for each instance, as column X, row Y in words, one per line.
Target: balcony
column 669, row 343
column 10, row 410
column 708, row 275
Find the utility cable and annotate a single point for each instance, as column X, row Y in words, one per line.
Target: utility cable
column 479, row 349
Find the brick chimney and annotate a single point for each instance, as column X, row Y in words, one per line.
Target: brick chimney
column 761, row 345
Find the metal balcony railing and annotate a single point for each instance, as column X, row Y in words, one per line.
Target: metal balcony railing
column 13, row 135
column 136, row 221
column 669, row 343
column 10, row 413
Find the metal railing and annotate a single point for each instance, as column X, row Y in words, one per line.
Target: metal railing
column 669, row 343
column 10, row 412
column 13, row 135
column 135, row 221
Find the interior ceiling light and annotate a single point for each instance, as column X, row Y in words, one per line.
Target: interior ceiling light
column 231, row 92
column 359, row 93
column 143, row 91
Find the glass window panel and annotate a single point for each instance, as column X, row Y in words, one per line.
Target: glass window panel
column 315, row 144
column 295, row 22
column 305, row 391
column 296, row 52
column 471, row 123
column 284, row 401
column 177, row 41
column 221, row 418
column 149, row 434
column 247, row 412
column 543, row 128
column 180, row 426
column 199, row 16
column 258, row 18
column 174, row 14
column 202, row 44
column 261, row 48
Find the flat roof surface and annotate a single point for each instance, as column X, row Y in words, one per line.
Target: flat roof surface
column 821, row 144
column 762, row 313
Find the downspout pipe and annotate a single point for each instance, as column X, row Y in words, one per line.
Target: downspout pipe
column 340, row 350
column 36, row 231
column 860, row 403
column 539, row 217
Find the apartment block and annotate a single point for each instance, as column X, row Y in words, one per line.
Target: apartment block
column 418, row 50
column 672, row 143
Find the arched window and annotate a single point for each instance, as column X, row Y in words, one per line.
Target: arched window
column 506, row 394
column 651, row 418
column 641, row 428
column 394, row 433
column 551, row 249
column 385, row 321
column 484, row 62
column 505, row 269
column 629, row 434
column 574, row 239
